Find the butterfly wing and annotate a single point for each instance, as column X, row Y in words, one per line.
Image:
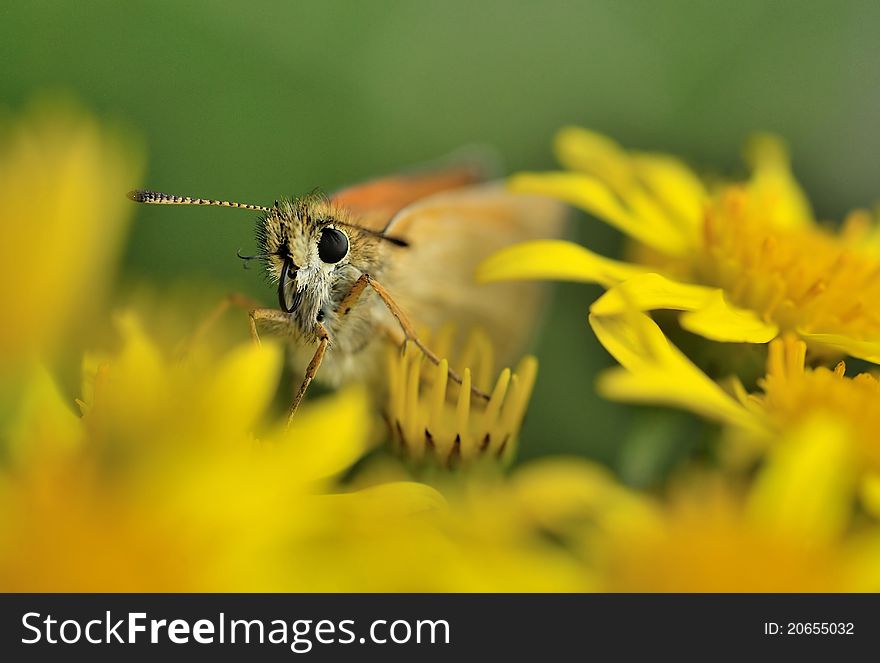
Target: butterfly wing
column 375, row 202
column 450, row 234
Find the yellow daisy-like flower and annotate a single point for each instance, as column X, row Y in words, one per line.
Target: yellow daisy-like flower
column 793, row 397
column 61, row 223
column 433, row 420
column 793, row 393
column 790, row 527
column 162, row 485
column 743, row 262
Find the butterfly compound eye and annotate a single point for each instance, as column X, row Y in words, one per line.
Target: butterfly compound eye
column 333, row 245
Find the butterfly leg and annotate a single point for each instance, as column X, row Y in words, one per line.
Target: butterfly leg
column 265, row 315
column 343, row 310
column 408, row 331
column 312, row 369
column 274, row 315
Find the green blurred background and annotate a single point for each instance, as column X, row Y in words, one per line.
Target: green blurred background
column 254, row 100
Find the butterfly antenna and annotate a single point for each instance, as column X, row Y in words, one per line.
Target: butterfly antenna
column 156, row 198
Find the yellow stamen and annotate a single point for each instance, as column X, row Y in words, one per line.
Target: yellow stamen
column 793, row 393
column 804, row 278
column 437, row 421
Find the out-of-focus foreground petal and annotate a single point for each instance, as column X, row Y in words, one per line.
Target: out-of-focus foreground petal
column 63, row 179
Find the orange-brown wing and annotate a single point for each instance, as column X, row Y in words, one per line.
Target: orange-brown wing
column 450, row 234
column 374, row 203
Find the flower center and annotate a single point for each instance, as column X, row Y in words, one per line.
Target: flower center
column 802, row 278
column 435, row 420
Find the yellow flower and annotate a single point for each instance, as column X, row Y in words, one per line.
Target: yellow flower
column 160, row 484
column 63, row 220
column 742, row 262
column 791, row 528
column 794, row 397
column 179, row 476
column 451, row 429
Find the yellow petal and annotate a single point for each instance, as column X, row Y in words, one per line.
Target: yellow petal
column 657, row 189
column 244, row 384
column 326, row 437
column 720, row 321
column 44, row 421
column 151, row 400
column 807, row 487
column 774, row 194
column 553, row 491
column 553, row 260
column 592, row 153
column 62, row 182
column 867, row 350
column 593, row 196
column 655, row 371
column 395, row 499
column 675, row 186
column 869, row 492
column 709, row 314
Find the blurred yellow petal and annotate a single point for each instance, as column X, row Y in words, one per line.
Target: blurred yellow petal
column 862, row 554
column 328, row 437
column 718, row 320
column 869, row 492
column 44, row 423
column 862, row 349
column 675, row 186
column 806, row 488
column 192, row 397
column 243, row 385
column 594, row 154
column 556, row 260
column 708, row 313
column 705, row 541
column 559, row 492
column 593, row 196
column 774, row 194
column 655, row 371
column 397, row 498
column 659, row 190
column 62, row 182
